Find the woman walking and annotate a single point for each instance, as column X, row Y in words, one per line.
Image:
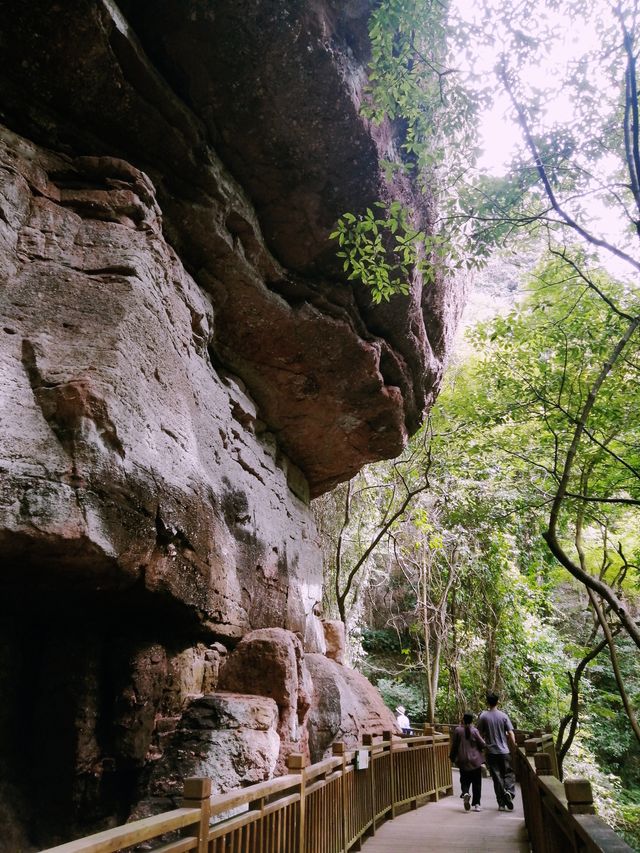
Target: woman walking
column 466, row 753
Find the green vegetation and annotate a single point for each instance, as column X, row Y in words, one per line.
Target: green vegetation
column 414, row 87
column 461, row 591
column 503, row 549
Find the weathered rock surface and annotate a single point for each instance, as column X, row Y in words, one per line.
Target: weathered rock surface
column 270, row 662
column 181, row 368
column 89, row 704
column 345, row 706
column 335, row 639
column 227, row 737
column 194, row 93
column 129, row 463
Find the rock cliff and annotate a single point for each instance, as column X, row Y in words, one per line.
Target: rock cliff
column 182, row 369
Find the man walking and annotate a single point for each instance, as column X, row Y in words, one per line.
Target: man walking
column 497, row 730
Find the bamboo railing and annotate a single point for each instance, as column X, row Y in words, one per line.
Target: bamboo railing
column 560, row 817
column 327, row 807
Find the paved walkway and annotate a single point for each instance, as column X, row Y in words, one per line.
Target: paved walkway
column 445, row 826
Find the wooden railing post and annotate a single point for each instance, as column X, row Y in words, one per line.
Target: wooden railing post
column 280, row 814
column 367, row 740
column 549, row 746
column 544, row 766
column 338, row 749
column 531, row 745
column 387, row 738
column 296, row 764
column 413, row 804
column 428, row 731
column 196, row 795
column 579, row 796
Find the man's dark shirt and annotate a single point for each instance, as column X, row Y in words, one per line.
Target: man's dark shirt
column 493, row 726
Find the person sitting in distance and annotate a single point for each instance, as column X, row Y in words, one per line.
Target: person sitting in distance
column 402, row 720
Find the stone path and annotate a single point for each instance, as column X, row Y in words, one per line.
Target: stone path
column 445, row 826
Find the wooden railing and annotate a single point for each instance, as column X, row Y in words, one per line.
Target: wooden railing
column 327, row 807
column 560, row 817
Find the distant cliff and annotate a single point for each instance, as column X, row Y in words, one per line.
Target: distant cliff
column 182, row 369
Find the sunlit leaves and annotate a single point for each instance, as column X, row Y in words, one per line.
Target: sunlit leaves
column 563, row 66
column 383, row 251
column 537, row 369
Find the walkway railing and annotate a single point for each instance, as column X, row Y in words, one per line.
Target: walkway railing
column 325, row 808
column 560, row 817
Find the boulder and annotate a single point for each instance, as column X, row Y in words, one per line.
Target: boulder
column 345, row 706
column 335, row 638
column 228, row 737
column 270, row 662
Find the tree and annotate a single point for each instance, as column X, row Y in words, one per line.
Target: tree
column 430, row 564
column 449, row 606
column 564, row 411
column 553, row 189
column 371, row 507
column 555, row 396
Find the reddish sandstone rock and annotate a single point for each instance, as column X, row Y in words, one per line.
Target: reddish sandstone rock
column 183, row 365
column 229, row 738
column 129, row 464
column 247, row 118
column 270, row 662
column 334, row 635
column 345, row 706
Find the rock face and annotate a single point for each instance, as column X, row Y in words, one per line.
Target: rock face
column 245, row 116
column 182, row 368
column 270, row 662
column 334, row 635
column 132, row 465
column 227, row 737
column 345, row 706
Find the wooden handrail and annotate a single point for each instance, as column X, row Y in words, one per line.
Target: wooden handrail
column 324, row 808
column 221, row 803
column 559, row 817
column 111, row 840
column 326, row 766
column 329, row 806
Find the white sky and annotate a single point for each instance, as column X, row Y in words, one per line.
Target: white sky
column 498, row 132
column 500, row 136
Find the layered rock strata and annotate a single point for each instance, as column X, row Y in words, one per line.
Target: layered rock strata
column 182, row 368
column 246, row 117
column 269, row 701
column 130, row 464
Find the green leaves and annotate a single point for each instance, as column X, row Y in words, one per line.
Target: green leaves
column 413, row 85
column 381, row 251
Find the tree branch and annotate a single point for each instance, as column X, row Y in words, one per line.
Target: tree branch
column 551, row 534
